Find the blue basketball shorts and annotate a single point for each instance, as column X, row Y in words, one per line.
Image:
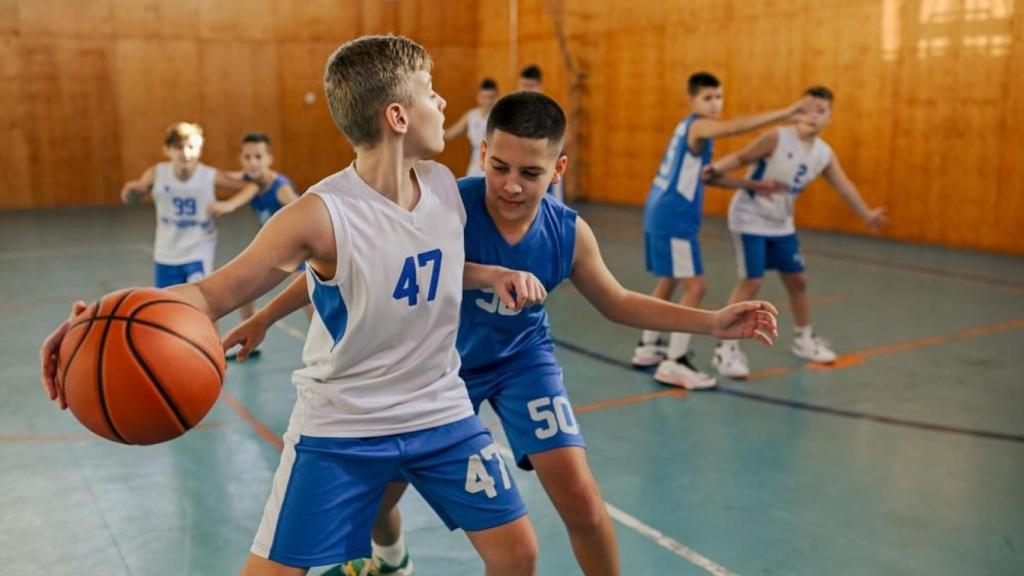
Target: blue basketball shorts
column 327, row 491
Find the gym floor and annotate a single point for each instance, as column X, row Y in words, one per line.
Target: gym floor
column 907, row 457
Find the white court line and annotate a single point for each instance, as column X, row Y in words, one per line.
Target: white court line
column 653, row 534
column 622, row 517
column 68, row 251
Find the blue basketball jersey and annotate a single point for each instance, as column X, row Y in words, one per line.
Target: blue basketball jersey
column 676, row 199
column 488, row 331
column 265, row 204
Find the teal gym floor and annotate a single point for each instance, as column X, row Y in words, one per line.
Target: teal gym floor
column 907, row 458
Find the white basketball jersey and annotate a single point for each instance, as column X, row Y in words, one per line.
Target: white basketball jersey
column 380, row 355
column 793, row 162
column 476, row 131
column 185, row 231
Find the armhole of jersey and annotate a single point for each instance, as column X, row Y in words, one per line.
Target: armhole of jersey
column 569, row 219
column 443, row 184
column 342, row 241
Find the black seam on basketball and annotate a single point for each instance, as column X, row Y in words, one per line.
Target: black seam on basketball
column 144, row 305
column 156, row 381
column 99, row 370
column 91, row 320
column 132, row 318
column 210, row 359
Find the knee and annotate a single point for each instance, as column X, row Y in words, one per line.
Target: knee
column 796, row 282
column 582, row 508
column 518, row 559
column 751, row 286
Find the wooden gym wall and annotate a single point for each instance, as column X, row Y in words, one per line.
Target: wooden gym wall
column 930, row 94
column 88, row 87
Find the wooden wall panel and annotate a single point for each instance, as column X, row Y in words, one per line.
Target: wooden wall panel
column 8, row 17
column 60, row 18
column 14, row 161
column 153, row 19
column 239, row 94
column 158, row 83
column 927, row 93
column 68, row 106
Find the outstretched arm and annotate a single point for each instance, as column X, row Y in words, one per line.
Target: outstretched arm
column 135, row 191
column 250, row 333
column 708, row 129
column 458, row 128
column 244, row 192
column 875, row 218
column 592, row 278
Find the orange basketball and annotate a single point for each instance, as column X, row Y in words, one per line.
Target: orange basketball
column 141, row 366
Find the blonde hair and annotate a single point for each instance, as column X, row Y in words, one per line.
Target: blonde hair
column 179, row 132
column 364, row 76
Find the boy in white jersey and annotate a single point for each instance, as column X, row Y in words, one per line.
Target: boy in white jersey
column 762, row 226
column 380, row 393
column 508, row 355
column 672, row 218
column 474, row 123
column 183, row 191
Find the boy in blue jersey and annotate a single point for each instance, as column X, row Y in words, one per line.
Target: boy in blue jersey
column 507, row 354
column 672, row 217
column 379, row 394
column 275, row 192
column 763, row 227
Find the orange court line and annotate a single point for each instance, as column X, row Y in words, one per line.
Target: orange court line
column 855, row 358
column 260, row 428
column 612, row 403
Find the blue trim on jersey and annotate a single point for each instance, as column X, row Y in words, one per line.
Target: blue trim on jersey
column 330, row 305
column 667, row 211
column 758, row 174
column 488, row 331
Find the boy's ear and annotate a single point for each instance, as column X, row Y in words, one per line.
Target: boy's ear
column 483, row 155
column 396, row 117
column 561, row 165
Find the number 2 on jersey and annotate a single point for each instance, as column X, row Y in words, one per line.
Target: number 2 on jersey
column 408, row 287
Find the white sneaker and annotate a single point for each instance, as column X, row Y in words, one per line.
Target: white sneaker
column 730, row 361
column 680, row 372
column 814, row 348
column 647, row 355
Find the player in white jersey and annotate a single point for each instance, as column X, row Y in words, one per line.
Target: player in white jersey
column 764, row 235
column 474, row 124
column 183, row 191
column 379, row 397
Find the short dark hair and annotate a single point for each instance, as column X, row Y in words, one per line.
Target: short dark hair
column 532, row 72
column 701, row 80
column 488, row 84
column 820, row 92
column 256, row 138
column 528, row 115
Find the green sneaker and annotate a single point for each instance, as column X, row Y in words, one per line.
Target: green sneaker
column 372, row 567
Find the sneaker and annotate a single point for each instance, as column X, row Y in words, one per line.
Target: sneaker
column 647, row 355
column 372, row 567
column 730, row 361
column 232, row 353
column 815, row 348
column 681, row 372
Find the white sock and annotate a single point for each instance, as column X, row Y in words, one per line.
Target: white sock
column 678, row 344
column 803, row 332
column 391, row 554
column 650, row 337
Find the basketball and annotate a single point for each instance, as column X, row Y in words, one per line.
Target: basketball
column 141, row 366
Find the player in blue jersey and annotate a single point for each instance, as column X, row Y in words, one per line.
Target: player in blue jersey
column 507, row 354
column 672, row 219
column 763, row 227
column 275, row 192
